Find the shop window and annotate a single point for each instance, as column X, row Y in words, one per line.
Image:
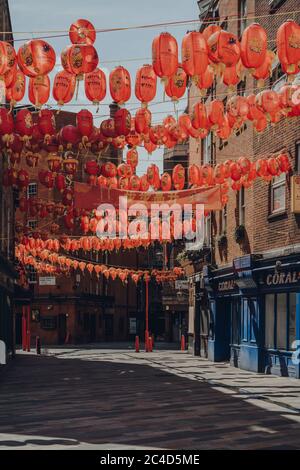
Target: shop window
column 236, row 322
column 86, row 321
column 241, row 87
column 278, row 197
column 245, row 318
column 292, row 321
column 32, row 275
column 280, row 321
column 269, row 321
column 32, row 224
column 32, row 190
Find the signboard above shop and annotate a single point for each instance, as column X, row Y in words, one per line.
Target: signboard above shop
column 47, row 280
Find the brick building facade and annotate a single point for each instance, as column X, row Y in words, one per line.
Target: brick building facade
column 244, row 296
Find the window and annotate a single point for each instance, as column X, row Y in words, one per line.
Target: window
column 298, row 157
column 241, row 206
column 280, row 321
column 32, row 224
column 278, row 198
column 48, row 323
column 207, row 230
column 223, row 228
column 236, row 322
column 207, row 149
column 242, row 25
column 241, row 87
column 32, row 275
column 275, row 4
column 32, row 189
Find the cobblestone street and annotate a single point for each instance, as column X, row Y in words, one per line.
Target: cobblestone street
column 117, row 399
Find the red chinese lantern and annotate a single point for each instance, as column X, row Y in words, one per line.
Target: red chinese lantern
column 199, row 116
column 95, row 86
column 284, row 162
column 165, row 56
column 254, row 114
column 238, row 108
column 69, row 135
column 92, row 168
column 205, row 81
column 144, row 184
column 120, row 85
column 263, row 72
column 176, row 86
column 149, row 146
column 108, row 129
column 210, row 30
column 194, row 54
column 10, row 177
column 273, row 166
column 23, row 179
column 224, row 130
column 235, row 171
column 142, row 120
column 39, row 90
column 145, row 84
column 194, row 175
column 288, row 46
column 69, row 221
column 36, row 57
column 245, row 165
column 79, row 59
column 153, row 175
column 16, row 91
column 70, row 165
column 48, row 179
column 134, row 183
column 32, row 159
column 215, row 113
column 254, row 46
column 24, row 124
column 63, row 87
column 46, row 123
column 123, row 182
column 268, row 101
column 261, row 167
column 166, row 182
column 132, row 158
column 122, row 122
column 125, row 170
column 157, row 134
column 67, row 197
column 232, row 75
column 6, row 125
column 109, row 170
column 219, row 173
column 178, row 177
column 54, row 162
column 261, row 124
column 224, row 48
column 82, row 32
column 8, row 58
column 84, row 121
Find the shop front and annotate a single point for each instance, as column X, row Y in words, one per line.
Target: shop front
column 255, row 314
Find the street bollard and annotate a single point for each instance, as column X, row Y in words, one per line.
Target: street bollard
column 38, row 345
column 150, row 345
column 182, row 345
column 137, row 344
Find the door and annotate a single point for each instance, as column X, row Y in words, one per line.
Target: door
column 109, row 327
column 62, row 328
column 93, row 327
column 204, row 325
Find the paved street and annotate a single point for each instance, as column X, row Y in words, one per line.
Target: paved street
column 99, row 398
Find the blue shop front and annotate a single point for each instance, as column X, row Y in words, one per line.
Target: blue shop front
column 255, row 314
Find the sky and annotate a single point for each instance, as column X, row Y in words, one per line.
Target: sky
column 31, row 18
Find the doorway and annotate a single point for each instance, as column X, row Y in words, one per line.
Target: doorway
column 109, row 327
column 92, row 327
column 18, row 329
column 62, row 328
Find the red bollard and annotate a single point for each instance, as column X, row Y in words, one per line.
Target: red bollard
column 137, row 344
column 150, row 345
column 182, row 345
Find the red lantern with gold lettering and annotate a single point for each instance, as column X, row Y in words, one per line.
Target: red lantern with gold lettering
column 122, row 122
column 254, row 46
column 142, row 120
column 63, row 87
column 79, row 59
column 16, row 91
column 288, row 46
column 39, row 90
column 166, row 182
column 145, row 84
column 176, row 86
column 46, row 123
column 165, row 56
column 178, row 177
column 95, row 86
column 120, row 85
column 194, row 54
column 224, row 48
column 36, row 57
column 24, row 124
column 82, row 32
column 84, row 121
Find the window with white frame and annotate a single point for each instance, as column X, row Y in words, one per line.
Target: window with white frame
column 32, row 190
column 207, row 149
column 242, row 206
column 278, row 194
column 32, row 275
column 32, row 224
